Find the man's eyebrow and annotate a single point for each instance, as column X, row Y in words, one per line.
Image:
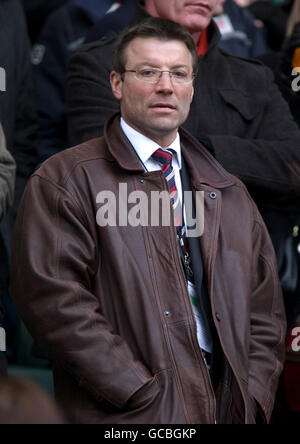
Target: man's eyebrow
column 148, row 64
column 180, row 66
column 154, row 65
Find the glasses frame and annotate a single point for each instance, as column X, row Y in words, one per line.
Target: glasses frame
column 161, row 73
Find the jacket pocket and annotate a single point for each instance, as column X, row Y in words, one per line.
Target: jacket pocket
column 156, row 402
column 145, row 395
column 247, row 106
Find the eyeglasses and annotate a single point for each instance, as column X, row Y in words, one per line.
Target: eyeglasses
column 154, row 75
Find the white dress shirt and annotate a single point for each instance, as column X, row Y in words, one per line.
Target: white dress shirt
column 145, row 147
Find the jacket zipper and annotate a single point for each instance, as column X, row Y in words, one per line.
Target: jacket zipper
column 197, row 347
column 194, row 330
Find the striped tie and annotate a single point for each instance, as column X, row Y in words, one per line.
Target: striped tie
column 164, row 158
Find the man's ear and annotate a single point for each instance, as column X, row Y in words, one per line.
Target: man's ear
column 192, row 94
column 116, row 84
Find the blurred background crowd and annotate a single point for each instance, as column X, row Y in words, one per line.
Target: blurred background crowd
column 38, row 37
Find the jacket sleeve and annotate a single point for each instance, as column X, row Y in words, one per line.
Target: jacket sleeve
column 267, row 322
column 7, row 176
column 270, row 162
column 55, row 257
column 90, row 101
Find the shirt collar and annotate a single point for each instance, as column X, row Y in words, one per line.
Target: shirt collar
column 145, row 147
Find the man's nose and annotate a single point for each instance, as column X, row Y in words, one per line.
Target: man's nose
column 165, row 83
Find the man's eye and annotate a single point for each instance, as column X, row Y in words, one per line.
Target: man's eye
column 147, row 73
column 179, row 74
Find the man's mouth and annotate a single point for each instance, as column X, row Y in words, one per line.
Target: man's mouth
column 200, row 6
column 163, row 105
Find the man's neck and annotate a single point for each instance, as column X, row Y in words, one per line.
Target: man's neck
column 164, row 141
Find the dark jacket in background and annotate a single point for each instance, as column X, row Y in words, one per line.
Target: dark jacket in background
column 245, row 39
column 64, row 31
column 275, row 20
column 17, row 108
column 36, row 12
column 17, row 115
column 285, row 83
column 114, row 22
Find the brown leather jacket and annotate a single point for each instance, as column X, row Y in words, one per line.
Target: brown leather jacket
column 111, row 303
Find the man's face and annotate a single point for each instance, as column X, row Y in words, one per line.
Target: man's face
column 194, row 15
column 156, row 110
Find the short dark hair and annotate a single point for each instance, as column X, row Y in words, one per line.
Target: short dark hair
column 161, row 29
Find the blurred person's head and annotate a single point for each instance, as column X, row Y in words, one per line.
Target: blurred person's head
column 194, row 15
column 154, row 66
column 23, row 402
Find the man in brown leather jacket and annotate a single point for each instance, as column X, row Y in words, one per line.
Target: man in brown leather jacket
column 145, row 326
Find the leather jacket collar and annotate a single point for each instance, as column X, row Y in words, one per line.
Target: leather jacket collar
column 202, row 166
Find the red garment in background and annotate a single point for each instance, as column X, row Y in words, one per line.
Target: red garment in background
column 202, row 45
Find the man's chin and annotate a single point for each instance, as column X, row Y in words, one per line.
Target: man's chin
column 164, row 125
column 198, row 23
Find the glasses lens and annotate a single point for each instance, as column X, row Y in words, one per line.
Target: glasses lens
column 181, row 77
column 154, row 75
column 148, row 75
